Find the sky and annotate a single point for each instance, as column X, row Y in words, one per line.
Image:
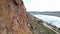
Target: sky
column 42, row 5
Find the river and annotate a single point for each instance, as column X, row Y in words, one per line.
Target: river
column 54, row 20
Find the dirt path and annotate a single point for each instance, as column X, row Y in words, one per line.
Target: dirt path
column 50, row 28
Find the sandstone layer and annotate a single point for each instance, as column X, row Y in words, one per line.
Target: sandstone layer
column 13, row 18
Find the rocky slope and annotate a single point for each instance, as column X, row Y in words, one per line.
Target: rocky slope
column 37, row 26
column 13, row 18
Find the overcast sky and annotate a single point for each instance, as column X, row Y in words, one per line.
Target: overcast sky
column 42, row 5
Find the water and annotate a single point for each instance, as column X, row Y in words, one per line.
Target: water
column 54, row 20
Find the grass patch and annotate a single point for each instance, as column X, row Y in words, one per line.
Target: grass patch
column 32, row 32
column 42, row 27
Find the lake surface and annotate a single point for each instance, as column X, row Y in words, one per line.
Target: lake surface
column 54, row 20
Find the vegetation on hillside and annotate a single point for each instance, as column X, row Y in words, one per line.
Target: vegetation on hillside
column 37, row 26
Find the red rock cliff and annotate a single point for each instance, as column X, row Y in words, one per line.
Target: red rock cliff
column 13, row 18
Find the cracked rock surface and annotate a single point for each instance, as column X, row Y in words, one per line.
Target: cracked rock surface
column 13, row 18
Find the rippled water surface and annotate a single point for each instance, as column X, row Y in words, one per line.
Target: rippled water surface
column 50, row 19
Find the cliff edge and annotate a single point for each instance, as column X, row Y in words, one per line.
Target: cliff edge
column 13, row 18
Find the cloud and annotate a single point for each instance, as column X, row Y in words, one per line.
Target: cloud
column 43, row 5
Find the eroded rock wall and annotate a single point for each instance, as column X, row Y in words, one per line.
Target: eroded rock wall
column 13, row 18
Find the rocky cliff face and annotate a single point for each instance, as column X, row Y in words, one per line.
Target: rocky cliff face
column 13, row 18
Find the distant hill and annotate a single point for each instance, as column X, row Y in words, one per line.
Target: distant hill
column 56, row 13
